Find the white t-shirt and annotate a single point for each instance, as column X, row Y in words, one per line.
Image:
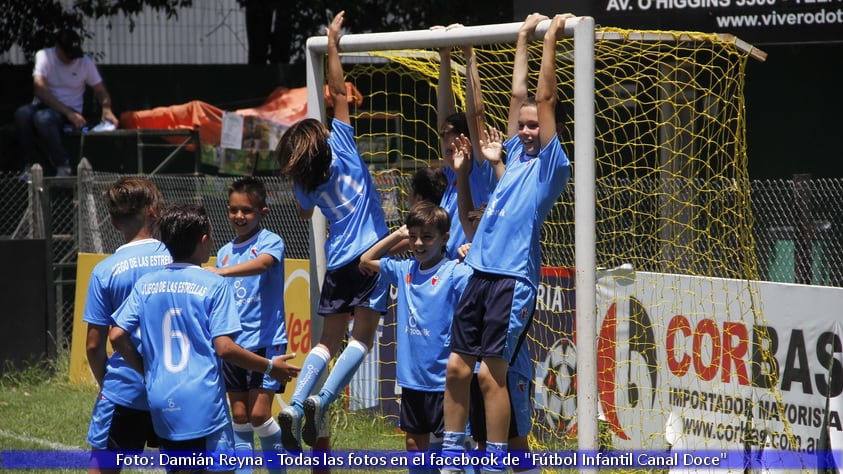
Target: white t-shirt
column 66, row 81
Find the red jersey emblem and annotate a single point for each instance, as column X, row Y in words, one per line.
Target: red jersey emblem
column 434, row 280
column 225, row 260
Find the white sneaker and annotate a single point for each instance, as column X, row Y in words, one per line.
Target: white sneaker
column 63, row 171
column 290, row 422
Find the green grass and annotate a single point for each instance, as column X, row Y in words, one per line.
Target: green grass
column 42, row 411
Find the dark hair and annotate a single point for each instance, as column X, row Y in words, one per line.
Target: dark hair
column 70, row 43
column 304, row 154
column 455, row 123
column 251, row 186
column 128, row 198
column 182, row 228
column 429, row 183
column 426, row 213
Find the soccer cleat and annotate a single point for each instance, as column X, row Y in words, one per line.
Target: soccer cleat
column 63, row 171
column 314, row 420
column 290, row 422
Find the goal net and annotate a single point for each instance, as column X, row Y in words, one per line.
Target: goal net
column 683, row 359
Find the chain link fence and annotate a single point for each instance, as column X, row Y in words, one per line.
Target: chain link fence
column 798, row 223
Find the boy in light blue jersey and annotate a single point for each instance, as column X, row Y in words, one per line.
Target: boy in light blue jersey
column 429, row 287
column 500, row 298
column 254, row 262
column 187, row 321
column 329, row 173
column 121, row 420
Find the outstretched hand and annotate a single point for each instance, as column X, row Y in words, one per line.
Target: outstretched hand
column 281, row 370
column 462, row 154
column 491, row 145
column 335, row 27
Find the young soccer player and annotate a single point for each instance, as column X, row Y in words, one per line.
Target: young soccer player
column 484, row 174
column 329, row 173
column 429, row 286
column 254, row 261
column 188, row 319
column 506, row 258
column 121, row 420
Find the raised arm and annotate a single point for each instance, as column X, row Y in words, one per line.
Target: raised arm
column 370, row 261
column 475, row 111
column 336, row 76
column 520, row 69
column 462, row 166
column 546, row 88
column 445, row 104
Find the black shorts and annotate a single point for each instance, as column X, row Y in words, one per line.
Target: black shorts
column 238, row 379
column 422, row 412
column 481, row 319
column 120, row 428
column 346, row 288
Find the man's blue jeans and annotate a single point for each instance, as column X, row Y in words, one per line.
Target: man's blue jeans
column 39, row 122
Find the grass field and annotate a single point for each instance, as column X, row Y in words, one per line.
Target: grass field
column 42, row 411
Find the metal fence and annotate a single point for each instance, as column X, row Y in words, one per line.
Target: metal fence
column 798, row 223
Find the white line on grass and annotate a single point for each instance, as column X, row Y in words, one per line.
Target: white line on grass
column 43, row 442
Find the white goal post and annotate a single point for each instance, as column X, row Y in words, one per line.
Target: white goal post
column 582, row 30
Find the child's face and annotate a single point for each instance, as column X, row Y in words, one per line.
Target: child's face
column 426, row 243
column 528, row 129
column 447, row 145
column 245, row 215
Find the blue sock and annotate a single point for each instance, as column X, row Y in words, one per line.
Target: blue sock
column 313, row 366
column 453, row 441
column 269, row 434
column 244, row 442
column 344, row 369
column 498, row 450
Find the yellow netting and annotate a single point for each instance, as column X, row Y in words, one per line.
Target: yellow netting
column 672, row 185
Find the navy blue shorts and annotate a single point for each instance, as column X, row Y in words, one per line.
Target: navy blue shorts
column 119, row 428
column 422, row 412
column 346, row 288
column 238, row 379
column 492, row 315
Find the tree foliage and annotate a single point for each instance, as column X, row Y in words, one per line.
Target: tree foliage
column 32, row 23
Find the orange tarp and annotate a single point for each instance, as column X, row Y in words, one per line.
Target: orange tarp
column 283, row 106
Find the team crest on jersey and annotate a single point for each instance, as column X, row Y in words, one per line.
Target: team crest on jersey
column 225, row 260
column 408, row 279
column 254, row 252
column 523, row 313
column 434, row 280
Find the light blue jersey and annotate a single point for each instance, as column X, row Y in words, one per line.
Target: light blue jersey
column 259, row 298
column 507, row 239
column 179, row 311
column 425, row 307
column 111, row 282
column 483, row 181
column 349, row 201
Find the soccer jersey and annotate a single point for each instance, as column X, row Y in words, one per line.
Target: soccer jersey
column 259, row 298
column 179, row 310
column 507, row 239
column 66, row 81
column 348, row 200
column 483, row 180
column 111, row 282
column 425, row 307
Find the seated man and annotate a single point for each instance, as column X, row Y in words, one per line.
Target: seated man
column 59, row 79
